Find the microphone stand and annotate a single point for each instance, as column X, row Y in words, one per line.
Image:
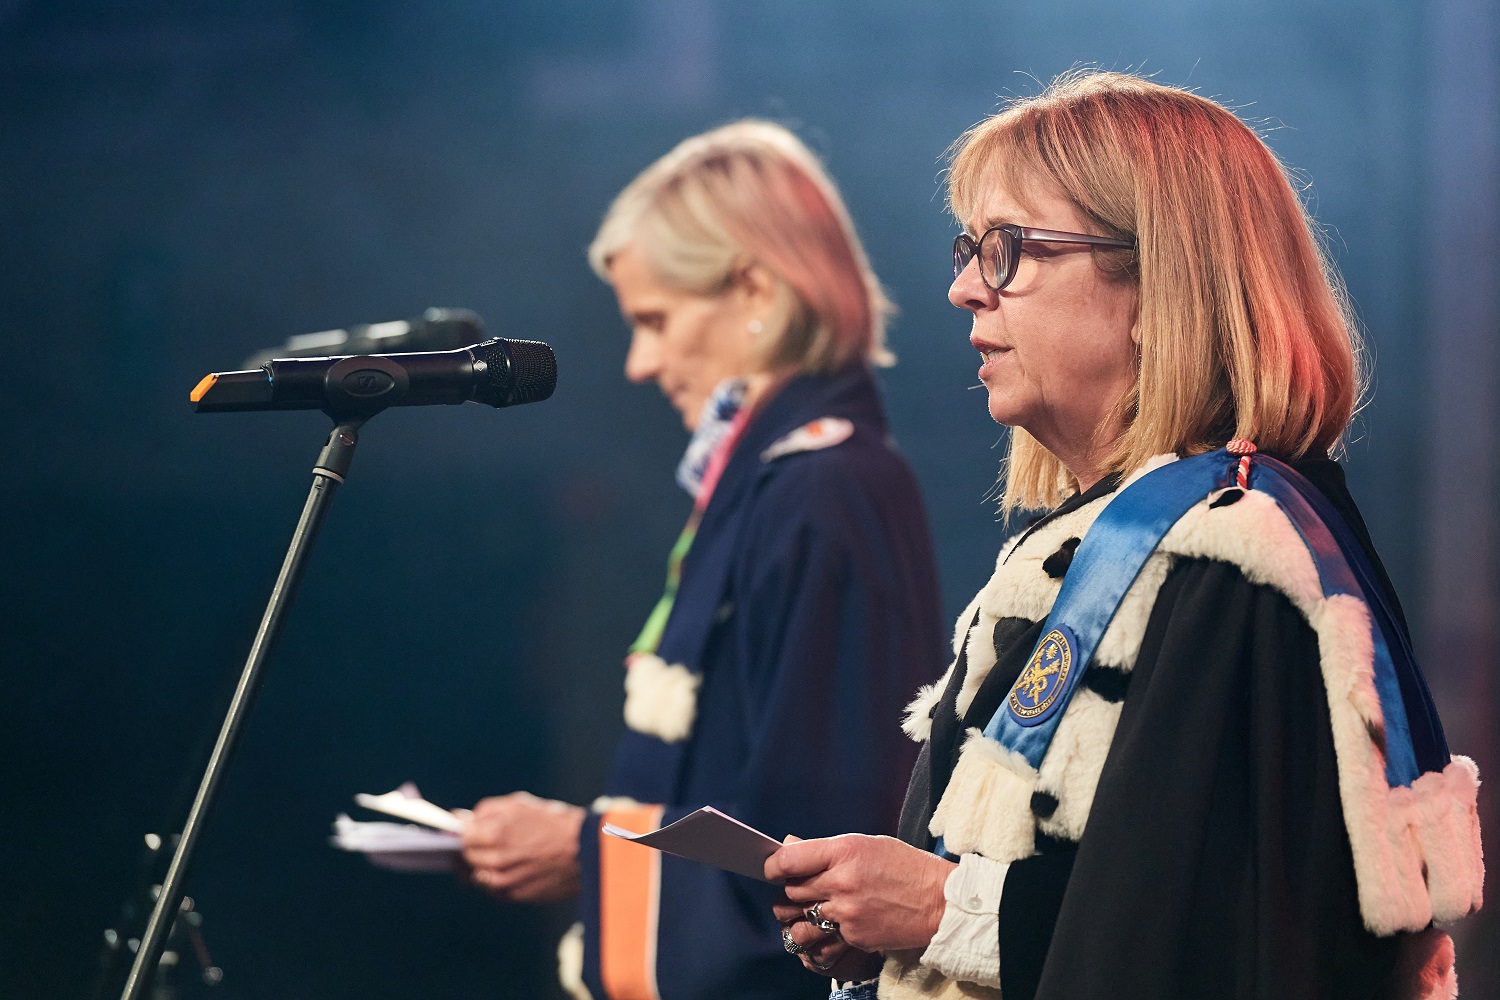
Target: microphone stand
column 328, row 474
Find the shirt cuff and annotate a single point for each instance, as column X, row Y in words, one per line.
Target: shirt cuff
column 966, row 946
column 867, row 990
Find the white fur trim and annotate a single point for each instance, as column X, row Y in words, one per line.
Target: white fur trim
column 1392, row 896
column 1008, row 546
column 1256, row 537
column 1070, row 771
column 1151, row 465
column 1426, row 971
column 1020, row 587
column 570, row 964
column 979, row 661
column 1446, row 813
column 904, row 978
column 1122, row 639
column 1346, row 649
column 609, row 803
column 917, row 722
column 986, row 808
column 961, row 628
column 661, row 699
column 918, row 719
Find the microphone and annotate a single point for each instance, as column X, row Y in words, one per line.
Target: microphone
column 497, row 372
column 434, row 330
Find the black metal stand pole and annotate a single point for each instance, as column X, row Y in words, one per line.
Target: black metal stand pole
column 328, row 474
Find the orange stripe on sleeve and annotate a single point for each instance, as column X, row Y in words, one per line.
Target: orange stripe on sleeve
column 629, row 896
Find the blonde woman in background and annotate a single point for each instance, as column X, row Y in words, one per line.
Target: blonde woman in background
column 801, row 604
column 1183, row 751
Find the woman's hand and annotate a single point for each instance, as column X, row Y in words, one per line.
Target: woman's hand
column 883, row 894
column 522, row 848
column 826, row 954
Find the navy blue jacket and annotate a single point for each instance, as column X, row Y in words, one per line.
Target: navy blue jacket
column 809, row 605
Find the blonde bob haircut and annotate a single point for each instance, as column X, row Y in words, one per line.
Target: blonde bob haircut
column 1245, row 330
column 751, row 193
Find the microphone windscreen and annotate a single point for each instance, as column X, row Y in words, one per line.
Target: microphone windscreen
column 516, row 372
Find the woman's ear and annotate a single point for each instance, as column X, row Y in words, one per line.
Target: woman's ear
column 757, row 283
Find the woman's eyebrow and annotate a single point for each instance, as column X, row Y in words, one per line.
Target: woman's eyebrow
column 990, row 222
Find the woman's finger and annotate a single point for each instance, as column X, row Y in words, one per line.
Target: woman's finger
column 788, row 911
column 807, row 935
column 799, row 860
column 822, row 957
column 806, row 892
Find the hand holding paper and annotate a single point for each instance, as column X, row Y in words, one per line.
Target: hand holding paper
column 524, row 849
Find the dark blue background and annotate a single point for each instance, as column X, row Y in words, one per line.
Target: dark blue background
column 182, row 183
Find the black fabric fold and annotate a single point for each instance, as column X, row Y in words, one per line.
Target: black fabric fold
column 1029, row 905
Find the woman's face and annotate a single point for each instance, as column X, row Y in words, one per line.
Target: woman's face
column 684, row 342
column 1057, row 343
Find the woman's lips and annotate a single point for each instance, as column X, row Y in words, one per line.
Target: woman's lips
column 992, row 357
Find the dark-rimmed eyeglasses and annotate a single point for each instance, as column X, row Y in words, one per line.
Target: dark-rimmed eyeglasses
column 999, row 248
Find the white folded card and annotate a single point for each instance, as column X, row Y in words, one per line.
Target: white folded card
column 407, row 803
column 400, row 847
column 431, row 847
column 712, row 838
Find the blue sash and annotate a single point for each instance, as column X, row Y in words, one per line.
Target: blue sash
column 1118, row 544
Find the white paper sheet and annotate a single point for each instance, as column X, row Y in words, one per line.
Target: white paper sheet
column 407, row 803
column 433, row 846
column 401, row 847
column 712, row 838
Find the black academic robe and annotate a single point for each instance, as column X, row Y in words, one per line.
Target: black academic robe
column 1215, row 861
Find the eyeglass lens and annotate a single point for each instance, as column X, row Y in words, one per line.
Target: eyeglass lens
column 963, row 252
column 993, row 250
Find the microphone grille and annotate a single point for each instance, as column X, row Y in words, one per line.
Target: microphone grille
column 516, row 371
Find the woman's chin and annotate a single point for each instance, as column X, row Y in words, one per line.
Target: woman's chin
column 688, row 413
column 1003, row 409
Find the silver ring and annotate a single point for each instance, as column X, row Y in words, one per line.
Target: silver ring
column 820, row 968
column 792, row 947
column 822, row 923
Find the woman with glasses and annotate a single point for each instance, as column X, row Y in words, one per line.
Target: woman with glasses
column 801, row 601
column 1183, row 750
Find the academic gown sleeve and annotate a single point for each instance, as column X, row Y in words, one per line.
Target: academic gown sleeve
column 843, row 621
column 1215, row 862
column 831, row 621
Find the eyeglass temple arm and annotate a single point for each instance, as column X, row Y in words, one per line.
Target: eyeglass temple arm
column 1053, row 236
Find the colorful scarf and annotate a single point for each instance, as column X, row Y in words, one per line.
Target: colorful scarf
column 719, row 427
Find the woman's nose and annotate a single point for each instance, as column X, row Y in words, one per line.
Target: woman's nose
column 969, row 291
column 642, row 361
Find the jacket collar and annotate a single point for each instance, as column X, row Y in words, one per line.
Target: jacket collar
column 851, row 394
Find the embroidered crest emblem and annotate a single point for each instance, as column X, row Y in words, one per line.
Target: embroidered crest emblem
column 815, row 435
column 1043, row 678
